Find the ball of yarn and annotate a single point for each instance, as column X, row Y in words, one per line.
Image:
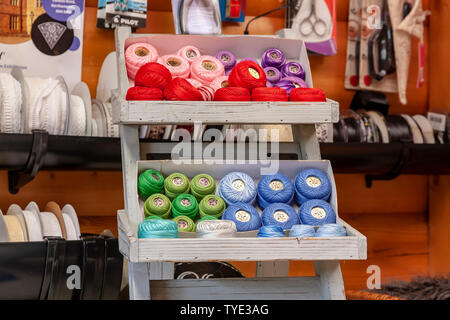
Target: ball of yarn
column 275, row 188
column 211, row 206
column 153, row 217
column 184, row 223
column 157, row 228
column 180, row 89
column 206, row 92
column 216, row 229
column 317, row 212
column 220, row 82
column 269, row 94
column 302, row 230
column 293, row 69
column 202, row 185
column 206, row 218
column 185, row 205
column 273, row 74
column 237, row 187
column 206, row 69
column 247, row 74
column 243, row 215
column 157, row 205
column 194, row 82
column 153, row 75
column 138, row 54
column 150, row 182
column 190, row 53
column 279, row 214
column 290, row 83
column 176, row 184
column 271, row 232
column 177, row 65
column 273, row 58
column 331, row 230
column 232, row 94
column 307, row 94
column 144, row 94
column 227, row 58
column 312, row 184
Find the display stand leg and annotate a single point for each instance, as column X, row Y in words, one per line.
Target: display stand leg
column 138, row 280
column 161, row 270
column 305, row 136
column 331, row 282
column 268, row 269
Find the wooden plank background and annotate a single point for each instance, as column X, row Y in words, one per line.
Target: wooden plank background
column 392, row 214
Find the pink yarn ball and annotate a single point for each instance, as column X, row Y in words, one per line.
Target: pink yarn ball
column 220, row 82
column 190, row 53
column 194, row 82
column 138, row 54
column 178, row 66
column 206, row 69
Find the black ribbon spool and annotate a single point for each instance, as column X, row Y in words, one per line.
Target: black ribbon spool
column 340, row 131
column 398, row 129
column 354, row 133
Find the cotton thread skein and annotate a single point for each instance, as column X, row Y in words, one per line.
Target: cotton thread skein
column 275, row 188
column 190, row 53
column 211, row 206
column 293, row 69
column 247, row 74
column 138, row 54
column 206, row 69
column 157, row 228
column 317, row 212
column 302, row 230
column 216, row 229
column 237, row 187
column 10, row 104
column 158, row 205
column 307, row 94
column 206, row 92
column 144, row 94
column 153, row 75
column 194, row 82
column 176, row 184
column 244, row 216
column 290, row 83
column 273, row 58
column 312, row 183
column 279, row 214
column 184, row 223
column 180, row 89
column 331, row 230
column 269, row 94
column 227, row 58
column 202, row 185
column 178, row 66
column 220, row 82
column 150, row 182
column 273, row 74
column 185, row 205
column 271, row 232
column 232, row 94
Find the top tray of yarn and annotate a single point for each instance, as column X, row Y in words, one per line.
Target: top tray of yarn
column 217, row 112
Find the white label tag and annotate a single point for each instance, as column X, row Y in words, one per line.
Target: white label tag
column 437, row 121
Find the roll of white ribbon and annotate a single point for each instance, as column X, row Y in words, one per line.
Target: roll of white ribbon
column 50, row 225
column 10, row 104
column 77, row 120
column 378, row 119
column 33, row 225
column 415, row 130
column 112, row 129
column 70, row 228
column 426, row 128
column 68, row 209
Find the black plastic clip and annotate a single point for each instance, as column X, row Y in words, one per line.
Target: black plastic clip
column 405, row 155
column 19, row 178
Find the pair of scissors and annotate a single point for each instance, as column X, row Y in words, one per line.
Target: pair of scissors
column 313, row 23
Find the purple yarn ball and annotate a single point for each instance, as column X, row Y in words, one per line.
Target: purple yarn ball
column 227, row 58
column 289, row 83
column 293, row 69
column 272, row 74
column 273, row 58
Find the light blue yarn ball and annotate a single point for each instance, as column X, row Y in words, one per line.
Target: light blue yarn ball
column 271, row 232
column 302, row 230
column 237, row 187
column 243, row 215
column 280, row 214
column 331, row 230
column 157, row 228
column 275, row 188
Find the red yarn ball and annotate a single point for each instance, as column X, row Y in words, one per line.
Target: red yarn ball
column 153, row 75
column 232, row 94
column 269, row 94
column 247, row 74
column 307, row 94
column 144, row 93
column 179, row 89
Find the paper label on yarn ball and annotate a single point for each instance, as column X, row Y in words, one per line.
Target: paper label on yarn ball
column 191, row 54
column 318, row 213
column 185, row 202
column 280, row 216
column 242, row 216
column 158, row 202
column 238, row 185
column 177, row 181
column 204, row 182
column 209, row 65
column 313, row 181
column 47, row 31
column 182, row 224
column 254, row 73
column 276, row 185
column 213, row 202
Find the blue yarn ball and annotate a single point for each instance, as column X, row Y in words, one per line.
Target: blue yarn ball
column 158, row 228
column 312, row 184
column 317, row 212
column 237, row 187
column 280, row 214
column 331, row 230
column 243, row 215
column 275, row 188
column 302, row 230
column 271, row 232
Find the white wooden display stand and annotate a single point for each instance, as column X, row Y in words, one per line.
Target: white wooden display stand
column 151, row 261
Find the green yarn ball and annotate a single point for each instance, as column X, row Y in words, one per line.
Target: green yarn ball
column 184, row 223
column 152, row 217
column 212, row 205
column 185, row 205
column 150, row 182
column 176, row 184
column 202, row 185
column 158, row 205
